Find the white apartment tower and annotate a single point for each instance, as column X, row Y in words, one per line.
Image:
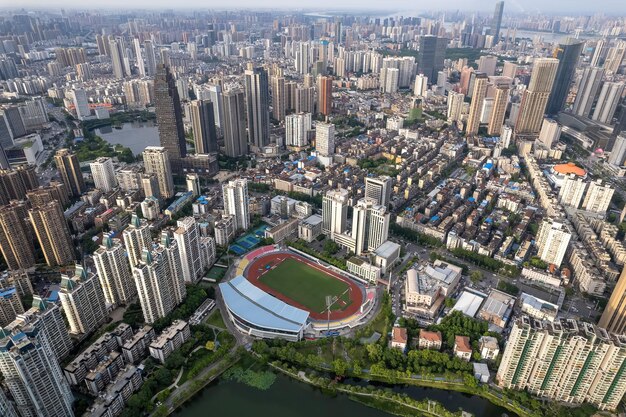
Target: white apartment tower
column 159, row 280
column 103, row 174
column 379, row 189
column 156, row 161
column 33, row 376
column 550, row 133
column 370, row 225
column 552, row 240
column 82, row 299
column 114, row 272
column 81, row 104
column 136, row 239
column 455, row 106
column 325, row 138
column 187, row 236
column 572, row 191
column 335, row 212
column 598, row 197
column 236, row 202
column 297, row 127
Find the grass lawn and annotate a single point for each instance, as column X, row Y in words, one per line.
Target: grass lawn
column 215, row 319
column 216, row 273
column 306, row 285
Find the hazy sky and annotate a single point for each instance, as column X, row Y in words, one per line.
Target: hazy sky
column 401, row 6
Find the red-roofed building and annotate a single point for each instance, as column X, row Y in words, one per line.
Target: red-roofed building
column 463, row 348
column 429, row 340
column 399, row 338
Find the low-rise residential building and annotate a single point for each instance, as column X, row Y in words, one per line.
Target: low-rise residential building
column 462, row 348
column 427, row 287
column 538, row 308
column 489, row 347
column 399, row 338
column 113, row 401
column 135, row 349
column 429, row 340
column 171, row 339
column 283, row 231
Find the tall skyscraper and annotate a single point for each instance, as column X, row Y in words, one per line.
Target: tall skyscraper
column 169, row 117
column 421, row 85
column 6, row 406
column 552, row 241
column 156, row 161
column 159, row 280
column 598, row 197
column 139, row 58
column 325, row 138
column 33, row 376
column 572, row 191
column 335, row 212
column 497, row 21
column 550, row 133
column 614, row 316
column 587, row 90
column 52, row 233
column 568, row 54
column 203, row 124
column 234, row 123
column 535, row 98
column 378, row 189
column 69, row 169
column 187, row 236
column 258, row 106
column 148, row 47
column 81, row 104
column 117, row 58
column 83, row 301
column 478, row 96
column 136, row 239
column 10, row 305
column 297, row 127
column 455, row 106
column 431, row 54
column 609, row 98
column 615, row 56
column 236, row 202
column 496, row 119
column 325, row 93
column 103, row 174
column 215, row 95
column 278, row 98
column 15, row 243
column 370, row 225
column 565, row 360
column 618, row 153
column 114, row 272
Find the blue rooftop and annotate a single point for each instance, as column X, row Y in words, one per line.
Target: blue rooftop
column 259, row 308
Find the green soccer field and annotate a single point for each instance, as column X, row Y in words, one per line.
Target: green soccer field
column 306, row 285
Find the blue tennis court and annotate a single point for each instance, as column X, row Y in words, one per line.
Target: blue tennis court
column 248, row 241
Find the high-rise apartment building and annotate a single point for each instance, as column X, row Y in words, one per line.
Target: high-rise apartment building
column 598, row 197
column 69, row 168
column 421, row 85
column 552, row 240
column 478, row 96
column 550, row 132
column 83, row 301
column 325, row 94
column 187, row 236
column 432, row 50
column 587, row 90
column 6, row 406
column 156, row 160
column 113, row 267
column 33, row 376
column 370, row 225
column 151, row 67
column 325, row 138
column 136, row 238
column 455, row 106
column 379, row 189
column 279, row 107
column 236, row 202
column 567, row 53
column 169, row 117
column 159, row 280
column 203, row 125
column 234, row 123
column 614, row 315
column 496, row 119
column 565, row 360
column 615, row 57
column 15, row 243
column 535, row 98
column 335, row 212
column 572, row 191
column 618, row 153
column 610, row 96
column 297, row 127
column 52, row 233
column 81, row 104
column 117, row 53
column 103, row 174
column 10, row 305
column 258, row 106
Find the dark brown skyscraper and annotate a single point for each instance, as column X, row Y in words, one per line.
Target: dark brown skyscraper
column 169, row 117
column 325, row 95
column 69, row 168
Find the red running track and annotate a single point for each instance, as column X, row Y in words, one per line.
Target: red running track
column 255, row 268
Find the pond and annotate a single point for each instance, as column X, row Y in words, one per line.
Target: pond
column 134, row 135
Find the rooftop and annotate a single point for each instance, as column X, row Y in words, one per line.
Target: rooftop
column 570, row 168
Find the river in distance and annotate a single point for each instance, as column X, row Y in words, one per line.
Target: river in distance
column 288, row 398
column 133, row 135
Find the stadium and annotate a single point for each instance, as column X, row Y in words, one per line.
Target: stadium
column 284, row 293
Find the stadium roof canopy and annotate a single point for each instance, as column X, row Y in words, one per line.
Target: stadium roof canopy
column 257, row 307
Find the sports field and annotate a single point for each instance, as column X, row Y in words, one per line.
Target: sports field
column 305, row 284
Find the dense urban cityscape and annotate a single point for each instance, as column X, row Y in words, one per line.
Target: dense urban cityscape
column 306, row 211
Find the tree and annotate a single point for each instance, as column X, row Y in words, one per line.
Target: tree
column 331, row 247
column 476, row 276
column 340, row 367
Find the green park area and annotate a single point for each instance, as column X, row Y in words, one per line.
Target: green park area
column 306, row 285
